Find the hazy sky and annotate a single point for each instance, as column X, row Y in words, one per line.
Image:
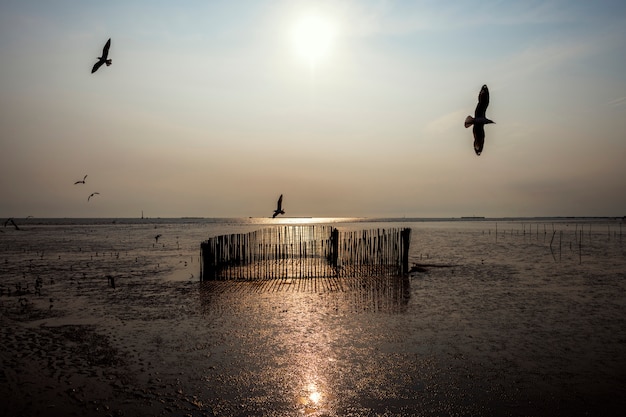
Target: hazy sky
column 215, row 108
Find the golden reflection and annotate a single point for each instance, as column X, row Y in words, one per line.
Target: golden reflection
column 311, row 399
column 304, row 317
column 315, row 397
column 306, row 220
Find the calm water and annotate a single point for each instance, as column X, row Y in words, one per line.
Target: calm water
column 511, row 317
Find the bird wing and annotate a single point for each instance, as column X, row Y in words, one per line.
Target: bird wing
column 483, row 102
column 84, row 178
column 105, row 50
column 97, row 65
column 280, row 203
column 479, row 138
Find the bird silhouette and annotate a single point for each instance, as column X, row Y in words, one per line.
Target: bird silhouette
column 103, row 59
column 91, row 195
column 156, row 238
column 279, row 207
column 81, row 181
column 10, row 220
column 479, row 120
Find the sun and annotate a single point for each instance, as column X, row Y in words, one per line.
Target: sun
column 313, row 36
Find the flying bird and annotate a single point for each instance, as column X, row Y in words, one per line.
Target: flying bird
column 479, row 120
column 91, row 195
column 81, row 181
column 103, row 59
column 279, row 207
column 10, row 220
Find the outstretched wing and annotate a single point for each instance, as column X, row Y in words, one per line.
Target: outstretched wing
column 280, row 203
column 105, row 50
column 97, row 65
column 483, row 102
column 479, row 138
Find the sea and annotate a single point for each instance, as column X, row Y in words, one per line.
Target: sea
column 503, row 316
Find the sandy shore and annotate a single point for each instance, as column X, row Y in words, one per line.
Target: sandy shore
column 497, row 336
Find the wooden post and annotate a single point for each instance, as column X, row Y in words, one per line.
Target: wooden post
column 208, row 269
column 334, row 247
column 406, row 241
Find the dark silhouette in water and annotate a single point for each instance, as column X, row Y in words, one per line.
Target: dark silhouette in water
column 479, row 120
column 103, row 59
column 81, row 181
column 91, row 195
column 156, row 238
column 10, row 220
column 279, row 207
column 111, row 280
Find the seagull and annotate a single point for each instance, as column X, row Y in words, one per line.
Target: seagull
column 81, row 181
column 103, row 59
column 279, row 207
column 479, row 120
column 156, row 238
column 10, row 220
column 91, row 195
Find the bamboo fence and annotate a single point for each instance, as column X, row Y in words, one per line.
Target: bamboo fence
column 305, row 251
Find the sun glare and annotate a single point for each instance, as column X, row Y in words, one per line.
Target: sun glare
column 313, row 36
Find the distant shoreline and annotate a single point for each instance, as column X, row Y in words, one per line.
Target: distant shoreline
column 309, row 219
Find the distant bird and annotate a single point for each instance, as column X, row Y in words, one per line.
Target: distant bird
column 479, row 120
column 156, row 238
column 81, row 181
column 91, row 195
column 279, row 207
column 10, row 220
column 103, row 59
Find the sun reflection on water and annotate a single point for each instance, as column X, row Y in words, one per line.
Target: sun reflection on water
column 303, row 220
column 315, row 397
column 312, row 397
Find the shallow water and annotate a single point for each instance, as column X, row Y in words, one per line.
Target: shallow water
column 526, row 320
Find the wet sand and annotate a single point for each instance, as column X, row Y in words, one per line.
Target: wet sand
column 505, row 329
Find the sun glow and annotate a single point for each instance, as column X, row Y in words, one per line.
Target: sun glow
column 313, row 36
column 315, row 397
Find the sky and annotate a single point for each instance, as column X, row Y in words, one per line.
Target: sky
column 347, row 108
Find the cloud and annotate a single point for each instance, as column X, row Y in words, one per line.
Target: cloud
column 617, row 102
column 397, row 19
